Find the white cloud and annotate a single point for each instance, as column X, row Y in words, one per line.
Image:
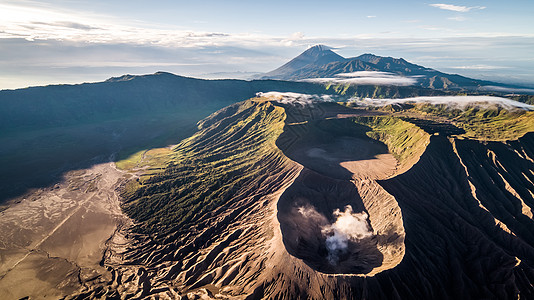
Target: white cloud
column 295, row 99
column 367, row 78
column 370, row 17
column 374, row 74
column 457, row 8
column 41, row 23
column 508, row 90
column 460, row 102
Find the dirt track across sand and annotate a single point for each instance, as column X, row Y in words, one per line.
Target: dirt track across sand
column 52, row 241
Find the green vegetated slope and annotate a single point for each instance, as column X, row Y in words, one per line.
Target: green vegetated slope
column 232, row 154
column 529, row 99
column 380, row 92
column 493, row 123
column 405, row 140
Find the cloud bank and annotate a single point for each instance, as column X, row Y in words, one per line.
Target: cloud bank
column 507, row 90
column 367, row 78
column 295, row 99
column 460, row 102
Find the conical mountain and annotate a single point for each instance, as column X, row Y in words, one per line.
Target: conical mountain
column 314, row 57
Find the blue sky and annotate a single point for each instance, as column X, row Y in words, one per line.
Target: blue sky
column 44, row 42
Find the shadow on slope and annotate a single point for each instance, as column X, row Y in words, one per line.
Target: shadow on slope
column 46, row 131
column 325, row 145
column 39, row 158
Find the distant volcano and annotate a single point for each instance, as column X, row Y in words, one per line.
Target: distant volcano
column 321, row 62
column 313, row 57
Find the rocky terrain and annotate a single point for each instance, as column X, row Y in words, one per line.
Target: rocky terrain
column 256, row 205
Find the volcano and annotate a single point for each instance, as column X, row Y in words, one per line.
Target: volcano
column 321, row 62
column 255, row 205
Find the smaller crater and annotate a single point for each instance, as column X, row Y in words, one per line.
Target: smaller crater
column 324, row 223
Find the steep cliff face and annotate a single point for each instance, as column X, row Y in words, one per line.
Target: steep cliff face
column 255, row 206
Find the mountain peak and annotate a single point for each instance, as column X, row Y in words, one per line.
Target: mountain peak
column 314, row 56
column 319, row 54
column 318, row 47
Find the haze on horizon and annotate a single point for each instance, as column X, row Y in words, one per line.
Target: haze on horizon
column 56, row 41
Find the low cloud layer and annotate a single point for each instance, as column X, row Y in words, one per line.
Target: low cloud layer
column 367, row 78
column 295, row 98
column 460, row 102
column 349, row 226
column 507, row 90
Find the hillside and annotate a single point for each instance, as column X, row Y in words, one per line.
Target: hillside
column 120, row 97
column 249, row 207
column 46, row 131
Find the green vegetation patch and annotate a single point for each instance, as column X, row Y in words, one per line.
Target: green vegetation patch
column 233, row 154
column 493, row 123
column 381, row 92
column 405, row 140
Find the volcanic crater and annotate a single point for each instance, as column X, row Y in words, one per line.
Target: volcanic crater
column 326, row 216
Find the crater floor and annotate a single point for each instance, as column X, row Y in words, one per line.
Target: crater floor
column 323, row 217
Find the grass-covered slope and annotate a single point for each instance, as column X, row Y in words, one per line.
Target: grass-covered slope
column 232, row 154
column 483, row 123
column 379, row 92
column 404, row 139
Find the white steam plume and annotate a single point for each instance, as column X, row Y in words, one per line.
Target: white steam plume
column 309, row 212
column 460, row 102
column 349, row 226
